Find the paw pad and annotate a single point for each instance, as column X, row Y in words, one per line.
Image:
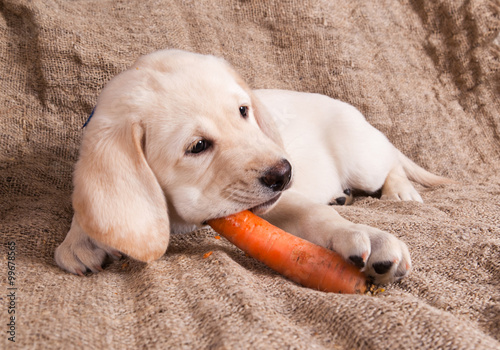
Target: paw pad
column 382, row 267
column 357, row 261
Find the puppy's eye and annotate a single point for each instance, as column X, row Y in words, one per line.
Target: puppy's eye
column 244, row 111
column 199, row 146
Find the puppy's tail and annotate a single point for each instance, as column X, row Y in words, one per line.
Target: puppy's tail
column 420, row 175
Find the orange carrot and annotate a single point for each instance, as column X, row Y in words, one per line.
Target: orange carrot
column 299, row 260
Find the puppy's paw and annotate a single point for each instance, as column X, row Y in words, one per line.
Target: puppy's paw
column 379, row 254
column 79, row 253
column 346, row 198
column 398, row 187
column 401, row 193
column 83, row 256
column 389, row 260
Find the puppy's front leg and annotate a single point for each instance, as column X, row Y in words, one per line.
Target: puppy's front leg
column 378, row 253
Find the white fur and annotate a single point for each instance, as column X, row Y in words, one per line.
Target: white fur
column 135, row 178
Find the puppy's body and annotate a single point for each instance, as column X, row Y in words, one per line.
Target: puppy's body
column 331, row 145
column 179, row 139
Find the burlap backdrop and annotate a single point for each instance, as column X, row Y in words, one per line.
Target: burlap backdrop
column 425, row 72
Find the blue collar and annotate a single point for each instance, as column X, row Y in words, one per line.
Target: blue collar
column 90, row 116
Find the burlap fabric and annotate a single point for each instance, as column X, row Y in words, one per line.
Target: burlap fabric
column 425, row 72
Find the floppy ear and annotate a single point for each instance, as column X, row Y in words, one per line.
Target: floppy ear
column 117, row 198
column 265, row 120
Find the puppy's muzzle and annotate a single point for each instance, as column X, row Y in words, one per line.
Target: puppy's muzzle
column 278, row 177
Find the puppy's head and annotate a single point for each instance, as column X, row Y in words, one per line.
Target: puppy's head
column 178, row 139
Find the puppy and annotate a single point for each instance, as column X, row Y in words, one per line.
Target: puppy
column 179, row 139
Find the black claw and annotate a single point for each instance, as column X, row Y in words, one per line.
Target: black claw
column 340, row 200
column 382, row 267
column 357, row 261
column 347, row 192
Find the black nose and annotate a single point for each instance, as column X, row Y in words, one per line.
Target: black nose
column 278, row 176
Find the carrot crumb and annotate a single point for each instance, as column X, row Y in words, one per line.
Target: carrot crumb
column 217, row 237
column 374, row 290
column 206, row 255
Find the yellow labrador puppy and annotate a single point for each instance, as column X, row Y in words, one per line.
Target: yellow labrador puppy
column 179, row 139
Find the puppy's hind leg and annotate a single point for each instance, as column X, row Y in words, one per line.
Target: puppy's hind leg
column 398, row 187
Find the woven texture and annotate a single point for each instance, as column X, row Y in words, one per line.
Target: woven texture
column 424, row 72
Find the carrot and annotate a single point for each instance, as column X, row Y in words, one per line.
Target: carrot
column 299, row 260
